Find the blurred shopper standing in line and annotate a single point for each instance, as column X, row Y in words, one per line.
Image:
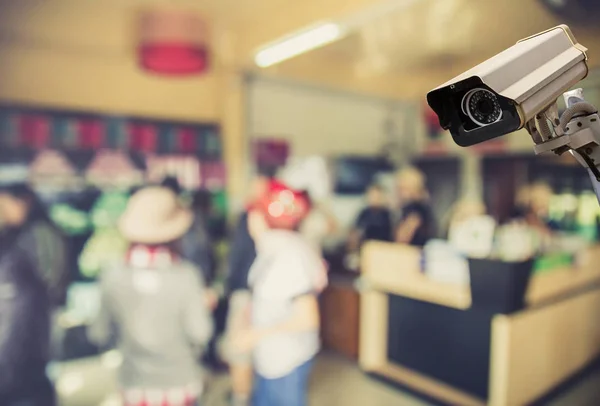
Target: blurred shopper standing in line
column 24, row 329
column 28, row 223
column 285, row 280
column 374, row 222
column 196, row 245
column 199, row 247
column 318, row 225
column 241, row 256
column 417, row 223
column 533, row 207
column 154, row 304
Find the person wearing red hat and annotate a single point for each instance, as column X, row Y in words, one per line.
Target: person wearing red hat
column 285, row 279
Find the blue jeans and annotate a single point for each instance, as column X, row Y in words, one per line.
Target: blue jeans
column 289, row 390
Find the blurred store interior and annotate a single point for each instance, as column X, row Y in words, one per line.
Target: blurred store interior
column 98, row 98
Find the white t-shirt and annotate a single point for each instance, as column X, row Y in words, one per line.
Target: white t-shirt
column 286, row 267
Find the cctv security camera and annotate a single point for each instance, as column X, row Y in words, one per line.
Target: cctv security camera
column 512, row 89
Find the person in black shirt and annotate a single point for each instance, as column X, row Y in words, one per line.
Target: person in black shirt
column 374, row 222
column 533, row 207
column 241, row 256
column 25, row 311
column 417, row 222
column 28, row 222
column 196, row 245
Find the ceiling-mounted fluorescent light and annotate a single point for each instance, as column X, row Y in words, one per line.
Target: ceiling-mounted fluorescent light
column 300, row 43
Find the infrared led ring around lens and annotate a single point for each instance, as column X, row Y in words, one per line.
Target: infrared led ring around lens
column 470, row 103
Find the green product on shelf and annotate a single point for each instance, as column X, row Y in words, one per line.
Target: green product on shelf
column 106, row 244
column 586, row 216
column 588, row 232
column 219, row 201
column 108, row 208
column 550, row 262
column 70, row 220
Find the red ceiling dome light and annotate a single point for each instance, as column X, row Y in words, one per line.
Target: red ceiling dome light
column 173, row 42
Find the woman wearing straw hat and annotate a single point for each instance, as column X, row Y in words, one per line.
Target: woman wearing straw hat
column 155, row 304
column 285, row 279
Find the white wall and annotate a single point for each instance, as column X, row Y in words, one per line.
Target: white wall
column 321, row 121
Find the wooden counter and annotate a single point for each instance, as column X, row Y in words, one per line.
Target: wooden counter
column 536, row 350
column 340, row 311
column 394, row 268
column 548, row 286
column 521, row 356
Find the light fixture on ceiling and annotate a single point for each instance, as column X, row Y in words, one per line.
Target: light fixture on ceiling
column 296, row 44
column 172, row 41
column 324, row 33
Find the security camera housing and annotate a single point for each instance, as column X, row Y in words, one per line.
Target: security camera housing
column 525, row 79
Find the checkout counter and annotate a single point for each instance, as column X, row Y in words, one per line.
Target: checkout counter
column 459, row 348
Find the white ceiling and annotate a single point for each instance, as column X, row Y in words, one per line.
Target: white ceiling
column 431, row 41
column 401, row 54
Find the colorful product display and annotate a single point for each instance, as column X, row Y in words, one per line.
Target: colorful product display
column 70, row 220
column 106, row 243
column 474, row 236
column 517, row 242
column 550, row 262
column 113, row 168
column 41, row 129
column 71, row 158
column 576, row 213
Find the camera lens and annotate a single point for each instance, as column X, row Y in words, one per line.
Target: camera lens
column 481, row 106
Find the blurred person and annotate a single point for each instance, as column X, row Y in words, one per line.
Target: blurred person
column 417, row 223
column 24, row 329
column 27, row 221
column 374, row 222
column 285, row 279
column 318, row 225
column 533, row 207
column 531, row 214
column 312, row 176
column 172, row 183
column 521, row 204
column 196, row 245
column 241, row 256
column 154, row 305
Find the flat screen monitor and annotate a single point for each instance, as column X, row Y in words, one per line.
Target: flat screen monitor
column 352, row 175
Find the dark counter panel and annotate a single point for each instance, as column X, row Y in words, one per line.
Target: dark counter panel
column 443, row 343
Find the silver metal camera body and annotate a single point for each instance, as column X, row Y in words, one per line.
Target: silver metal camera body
column 504, row 93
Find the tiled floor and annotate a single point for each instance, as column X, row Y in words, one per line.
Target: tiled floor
column 335, row 381
column 586, row 393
